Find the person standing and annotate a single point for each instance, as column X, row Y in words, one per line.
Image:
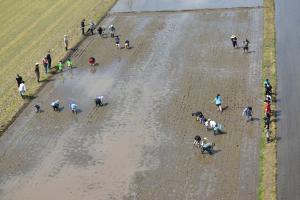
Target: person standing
column 92, row 27
column 100, row 31
column 37, row 72
column 234, row 41
column 45, row 63
column 66, row 42
column 112, row 30
column 69, row 63
column 60, row 66
column 218, row 101
column 22, row 89
column 82, row 25
column 19, row 80
column 49, row 59
column 267, row 108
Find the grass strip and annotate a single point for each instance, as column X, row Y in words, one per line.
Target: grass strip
column 268, row 152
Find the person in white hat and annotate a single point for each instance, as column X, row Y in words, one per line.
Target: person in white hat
column 234, row 41
column 66, row 42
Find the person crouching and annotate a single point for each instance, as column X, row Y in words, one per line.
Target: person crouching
column 99, row 101
column 55, row 105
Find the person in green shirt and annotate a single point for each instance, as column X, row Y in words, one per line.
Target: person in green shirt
column 60, row 66
column 69, row 63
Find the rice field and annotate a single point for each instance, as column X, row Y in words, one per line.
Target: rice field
column 29, row 28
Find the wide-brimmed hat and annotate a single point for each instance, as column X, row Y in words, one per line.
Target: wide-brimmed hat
column 233, row 36
column 37, row 63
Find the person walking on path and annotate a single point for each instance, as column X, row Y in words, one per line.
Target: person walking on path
column 218, row 102
column 45, row 64
column 247, row 112
column 234, row 41
column 69, row 63
column 19, row 80
column 49, row 59
column 66, row 42
column 37, row 72
column 82, row 25
column 22, row 89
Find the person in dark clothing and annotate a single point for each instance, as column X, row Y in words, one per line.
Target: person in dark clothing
column 127, row 44
column 100, row 31
column 37, row 72
column 82, row 25
column 19, row 80
column 246, row 45
column 48, row 56
column 234, row 41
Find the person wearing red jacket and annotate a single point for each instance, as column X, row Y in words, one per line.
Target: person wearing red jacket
column 267, row 108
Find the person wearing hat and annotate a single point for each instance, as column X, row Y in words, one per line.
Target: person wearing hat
column 82, row 25
column 37, row 72
column 234, row 41
column 66, row 42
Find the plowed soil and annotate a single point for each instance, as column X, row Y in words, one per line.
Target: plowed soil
column 139, row 145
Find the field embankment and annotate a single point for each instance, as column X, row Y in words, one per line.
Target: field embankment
column 268, row 160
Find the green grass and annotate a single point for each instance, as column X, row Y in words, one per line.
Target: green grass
column 268, row 153
column 29, row 29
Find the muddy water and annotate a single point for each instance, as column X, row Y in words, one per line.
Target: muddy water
column 160, row 5
column 138, row 146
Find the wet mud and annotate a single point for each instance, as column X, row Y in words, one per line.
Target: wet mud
column 178, row 5
column 139, row 145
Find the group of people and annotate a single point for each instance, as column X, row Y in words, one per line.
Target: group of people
column 99, row 101
column 210, row 125
column 235, row 45
column 267, row 109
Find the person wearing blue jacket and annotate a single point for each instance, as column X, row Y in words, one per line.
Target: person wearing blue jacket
column 218, row 102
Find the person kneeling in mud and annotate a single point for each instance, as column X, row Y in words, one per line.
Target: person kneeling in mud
column 99, row 101
column 73, row 107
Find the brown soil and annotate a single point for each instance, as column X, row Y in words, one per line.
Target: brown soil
column 139, row 146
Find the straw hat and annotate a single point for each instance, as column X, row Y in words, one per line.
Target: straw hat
column 37, row 63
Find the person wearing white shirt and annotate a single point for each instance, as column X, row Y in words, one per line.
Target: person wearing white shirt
column 22, row 89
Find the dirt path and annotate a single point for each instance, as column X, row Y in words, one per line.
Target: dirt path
column 140, row 144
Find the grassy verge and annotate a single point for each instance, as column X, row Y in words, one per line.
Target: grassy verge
column 30, row 29
column 268, row 152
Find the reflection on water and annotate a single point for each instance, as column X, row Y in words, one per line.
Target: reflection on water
column 157, row 5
